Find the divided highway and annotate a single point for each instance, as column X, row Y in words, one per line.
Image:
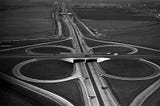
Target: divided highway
column 97, row 90
column 40, row 67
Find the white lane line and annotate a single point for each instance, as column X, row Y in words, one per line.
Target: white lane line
column 33, row 45
column 139, row 100
column 53, row 97
column 125, row 44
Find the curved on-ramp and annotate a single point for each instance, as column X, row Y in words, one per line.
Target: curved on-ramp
column 155, row 74
column 51, row 96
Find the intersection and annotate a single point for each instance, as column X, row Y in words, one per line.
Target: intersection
column 68, row 71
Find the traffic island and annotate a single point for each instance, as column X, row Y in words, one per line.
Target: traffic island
column 114, row 50
column 48, row 50
column 43, row 69
column 127, row 68
column 125, row 91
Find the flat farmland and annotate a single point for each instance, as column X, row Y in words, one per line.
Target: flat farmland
column 122, row 25
column 26, row 20
column 112, row 13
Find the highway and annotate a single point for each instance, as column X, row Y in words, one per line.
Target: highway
column 103, row 97
column 94, row 88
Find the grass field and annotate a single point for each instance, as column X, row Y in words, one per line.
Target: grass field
column 139, row 33
column 69, row 89
column 47, row 69
column 153, row 99
column 10, row 98
column 125, row 91
column 65, row 30
column 13, row 95
column 64, row 43
column 50, row 50
column 127, row 68
column 112, row 13
column 112, row 50
column 91, row 43
column 6, row 68
column 122, row 25
column 26, row 20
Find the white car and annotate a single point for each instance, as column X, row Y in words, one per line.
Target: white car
column 158, row 15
